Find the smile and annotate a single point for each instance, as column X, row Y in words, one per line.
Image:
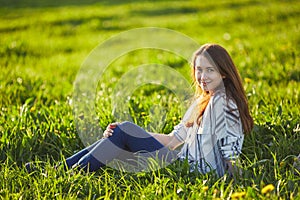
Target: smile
column 205, row 83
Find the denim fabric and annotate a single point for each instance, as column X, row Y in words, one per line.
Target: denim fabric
column 127, row 137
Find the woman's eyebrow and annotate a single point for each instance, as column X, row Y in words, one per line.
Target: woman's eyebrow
column 206, row 67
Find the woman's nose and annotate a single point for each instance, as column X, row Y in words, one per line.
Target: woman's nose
column 203, row 76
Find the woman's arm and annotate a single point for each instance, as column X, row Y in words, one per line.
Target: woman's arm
column 169, row 140
column 229, row 132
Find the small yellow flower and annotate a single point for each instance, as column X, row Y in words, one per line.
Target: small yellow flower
column 248, row 80
column 32, row 109
column 215, row 191
column 281, row 164
column 238, row 195
column 205, row 188
column 174, row 118
column 143, row 113
column 268, row 188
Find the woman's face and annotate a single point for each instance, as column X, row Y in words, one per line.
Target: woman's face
column 207, row 75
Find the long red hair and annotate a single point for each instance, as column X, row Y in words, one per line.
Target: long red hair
column 232, row 83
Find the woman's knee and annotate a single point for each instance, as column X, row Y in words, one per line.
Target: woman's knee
column 125, row 127
column 126, row 123
column 131, row 129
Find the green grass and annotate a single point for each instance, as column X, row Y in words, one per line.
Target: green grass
column 44, row 43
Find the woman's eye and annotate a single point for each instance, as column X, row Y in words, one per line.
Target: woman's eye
column 210, row 70
column 199, row 69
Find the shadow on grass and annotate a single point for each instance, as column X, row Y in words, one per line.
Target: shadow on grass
column 57, row 3
column 157, row 11
column 295, row 75
column 267, row 139
column 99, row 23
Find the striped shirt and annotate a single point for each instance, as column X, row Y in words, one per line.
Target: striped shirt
column 218, row 138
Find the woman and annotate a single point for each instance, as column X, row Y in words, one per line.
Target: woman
column 211, row 132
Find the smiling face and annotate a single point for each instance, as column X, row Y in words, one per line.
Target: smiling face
column 207, row 75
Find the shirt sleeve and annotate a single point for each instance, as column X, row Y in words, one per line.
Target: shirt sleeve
column 231, row 147
column 228, row 128
column 180, row 132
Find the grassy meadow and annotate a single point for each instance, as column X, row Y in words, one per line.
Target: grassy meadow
column 44, row 43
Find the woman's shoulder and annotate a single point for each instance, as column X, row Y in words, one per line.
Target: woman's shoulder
column 218, row 96
column 222, row 104
column 221, row 98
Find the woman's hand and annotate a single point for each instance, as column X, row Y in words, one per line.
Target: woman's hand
column 110, row 129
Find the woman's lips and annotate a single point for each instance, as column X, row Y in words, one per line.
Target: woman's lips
column 204, row 83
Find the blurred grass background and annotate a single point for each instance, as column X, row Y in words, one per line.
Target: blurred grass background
column 43, row 43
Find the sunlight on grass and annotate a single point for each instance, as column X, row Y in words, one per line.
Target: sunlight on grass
column 44, row 43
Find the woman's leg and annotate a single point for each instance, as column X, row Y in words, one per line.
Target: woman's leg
column 70, row 162
column 76, row 157
column 127, row 137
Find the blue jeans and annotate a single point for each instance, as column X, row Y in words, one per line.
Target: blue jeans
column 126, row 140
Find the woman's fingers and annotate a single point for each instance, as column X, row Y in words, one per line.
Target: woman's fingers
column 107, row 134
column 109, row 130
column 113, row 125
